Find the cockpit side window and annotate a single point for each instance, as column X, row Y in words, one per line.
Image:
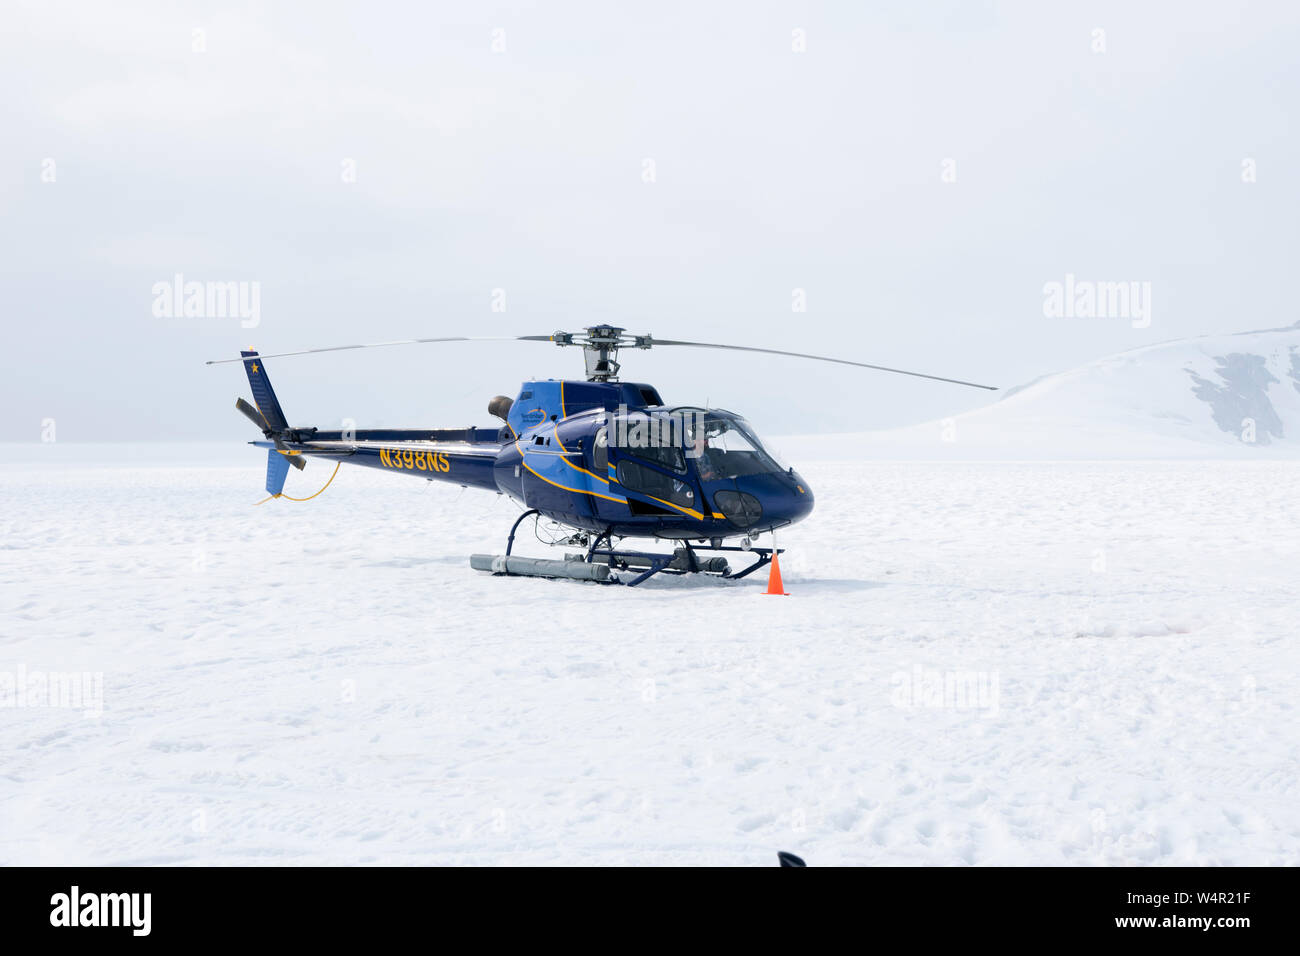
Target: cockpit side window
column 652, row 438
column 600, row 452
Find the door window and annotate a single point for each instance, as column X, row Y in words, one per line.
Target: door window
column 635, row 476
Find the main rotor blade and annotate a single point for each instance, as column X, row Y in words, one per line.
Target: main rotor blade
column 380, row 345
column 823, row 358
column 643, row 342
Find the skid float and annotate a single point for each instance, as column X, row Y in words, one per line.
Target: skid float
column 601, row 564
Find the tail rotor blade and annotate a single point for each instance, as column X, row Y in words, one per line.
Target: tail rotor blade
column 294, row 459
column 252, row 414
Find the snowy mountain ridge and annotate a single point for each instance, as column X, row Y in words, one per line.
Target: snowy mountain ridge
column 1234, row 396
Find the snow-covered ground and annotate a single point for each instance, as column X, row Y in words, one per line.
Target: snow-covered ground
column 329, row 682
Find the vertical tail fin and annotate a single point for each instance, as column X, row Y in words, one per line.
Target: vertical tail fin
column 265, row 398
column 277, row 466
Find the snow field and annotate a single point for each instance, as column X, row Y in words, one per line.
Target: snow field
column 978, row 663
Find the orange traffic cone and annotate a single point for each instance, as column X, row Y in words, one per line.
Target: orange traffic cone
column 774, row 585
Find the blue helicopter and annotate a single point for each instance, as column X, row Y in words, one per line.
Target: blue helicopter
column 605, row 459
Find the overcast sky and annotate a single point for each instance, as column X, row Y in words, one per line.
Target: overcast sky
column 380, row 169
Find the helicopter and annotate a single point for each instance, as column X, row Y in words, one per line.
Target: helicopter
column 607, row 460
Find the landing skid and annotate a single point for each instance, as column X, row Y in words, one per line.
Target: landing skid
column 603, row 563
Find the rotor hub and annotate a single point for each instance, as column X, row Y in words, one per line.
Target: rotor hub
column 600, row 345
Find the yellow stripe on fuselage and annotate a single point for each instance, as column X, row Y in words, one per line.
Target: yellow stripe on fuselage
column 584, row 470
column 523, row 456
column 555, row 433
column 686, row 511
column 576, row 491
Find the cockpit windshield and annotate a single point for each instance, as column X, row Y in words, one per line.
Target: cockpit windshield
column 725, row 446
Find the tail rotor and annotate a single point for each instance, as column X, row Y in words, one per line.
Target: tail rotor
column 279, row 458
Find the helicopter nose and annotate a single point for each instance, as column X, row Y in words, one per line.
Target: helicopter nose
column 797, row 503
column 782, row 498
